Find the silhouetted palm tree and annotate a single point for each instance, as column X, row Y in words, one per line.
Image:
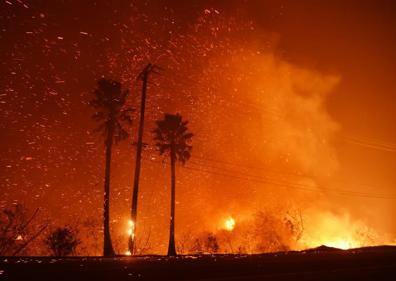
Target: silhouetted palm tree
column 172, row 136
column 111, row 112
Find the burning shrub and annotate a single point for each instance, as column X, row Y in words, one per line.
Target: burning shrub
column 277, row 232
column 207, row 243
column 62, row 241
column 196, row 247
column 269, row 230
column 211, row 244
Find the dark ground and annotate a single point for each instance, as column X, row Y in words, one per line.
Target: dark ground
column 374, row 263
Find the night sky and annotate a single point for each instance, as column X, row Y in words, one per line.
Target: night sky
column 291, row 103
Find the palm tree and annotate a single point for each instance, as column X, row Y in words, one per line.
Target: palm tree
column 111, row 113
column 172, row 137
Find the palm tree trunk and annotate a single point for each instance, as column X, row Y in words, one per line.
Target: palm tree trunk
column 107, row 246
column 172, row 247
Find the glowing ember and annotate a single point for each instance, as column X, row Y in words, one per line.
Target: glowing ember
column 229, row 224
column 128, row 253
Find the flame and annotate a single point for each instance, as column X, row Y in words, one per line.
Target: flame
column 131, row 233
column 131, row 228
column 229, row 224
column 339, row 231
column 340, row 244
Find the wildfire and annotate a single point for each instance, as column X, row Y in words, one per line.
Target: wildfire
column 338, row 231
column 128, row 253
column 229, row 224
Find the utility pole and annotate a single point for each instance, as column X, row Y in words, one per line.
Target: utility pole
column 139, row 146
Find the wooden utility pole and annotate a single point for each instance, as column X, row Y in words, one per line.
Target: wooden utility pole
column 139, row 146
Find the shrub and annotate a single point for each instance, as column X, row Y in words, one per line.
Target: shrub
column 62, row 241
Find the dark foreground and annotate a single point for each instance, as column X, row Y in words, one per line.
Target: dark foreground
column 375, row 263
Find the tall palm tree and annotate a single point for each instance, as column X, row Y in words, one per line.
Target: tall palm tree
column 111, row 113
column 172, row 137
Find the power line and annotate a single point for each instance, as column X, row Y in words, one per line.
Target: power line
column 378, row 145
column 204, row 162
column 277, row 115
column 269, row 168
column 285, row 184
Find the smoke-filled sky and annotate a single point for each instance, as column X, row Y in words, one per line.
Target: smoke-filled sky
column 291, row 104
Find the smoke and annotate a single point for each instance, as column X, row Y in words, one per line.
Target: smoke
column 263, row 137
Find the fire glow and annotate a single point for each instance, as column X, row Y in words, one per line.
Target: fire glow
column 229, row 224
column 131, row 229
column 338, row 231
column 271, row 232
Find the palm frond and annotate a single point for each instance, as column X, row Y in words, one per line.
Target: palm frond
column 172, row 131
column 109, row 103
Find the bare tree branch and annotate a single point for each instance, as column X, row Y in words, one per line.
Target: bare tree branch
column 30, row 240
